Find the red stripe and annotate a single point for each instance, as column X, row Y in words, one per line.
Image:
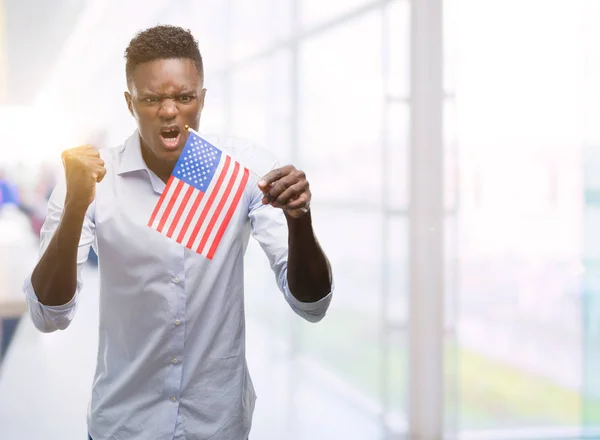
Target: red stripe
column 209, row 203
column 236, row 200
column 172, row 200
column 189, row 217
column 160, row 201
column 217, row 212
column 184, row 203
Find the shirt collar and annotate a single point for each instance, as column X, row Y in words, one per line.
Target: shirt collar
column 131, row 157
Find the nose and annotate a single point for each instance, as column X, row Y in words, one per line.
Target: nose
column 168, row 109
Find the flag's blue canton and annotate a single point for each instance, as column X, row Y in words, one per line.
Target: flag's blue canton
column 197, row 163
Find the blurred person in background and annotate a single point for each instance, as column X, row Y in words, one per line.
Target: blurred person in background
column 34, row 203
column 9, row 194
column 171, row 361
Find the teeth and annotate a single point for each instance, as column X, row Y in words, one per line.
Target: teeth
column 171, row 142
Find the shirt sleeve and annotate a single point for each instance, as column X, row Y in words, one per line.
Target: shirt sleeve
column 51, row 318
column 269, row 228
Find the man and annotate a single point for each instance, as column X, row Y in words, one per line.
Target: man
column 171, row 361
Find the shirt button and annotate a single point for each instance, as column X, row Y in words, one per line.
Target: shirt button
column 173, row 399
column 177, row 322
column 176, row 280
column 174, row 360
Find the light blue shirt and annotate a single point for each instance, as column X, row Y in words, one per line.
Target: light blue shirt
column 171, row 359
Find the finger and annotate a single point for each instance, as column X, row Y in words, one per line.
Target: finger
column 87, row 150
column 84, row 150
column 284, row 183
column 100, row 173
column 280, row 187
column 97, row 161
column 273, row 176
column 301, row 202
column 291, row 193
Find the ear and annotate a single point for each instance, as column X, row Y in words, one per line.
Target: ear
column 129, row 101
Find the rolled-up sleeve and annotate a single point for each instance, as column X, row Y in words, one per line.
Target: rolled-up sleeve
column 269, row 228
column 51, row 318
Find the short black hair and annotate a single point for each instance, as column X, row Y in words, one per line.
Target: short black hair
column 160, row 43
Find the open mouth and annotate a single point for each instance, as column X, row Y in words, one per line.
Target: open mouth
column 170, row 137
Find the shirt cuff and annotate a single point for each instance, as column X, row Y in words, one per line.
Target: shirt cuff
column 311, row 311
column 30, row 294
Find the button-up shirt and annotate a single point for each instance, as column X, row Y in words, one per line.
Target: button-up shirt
column 171, row 358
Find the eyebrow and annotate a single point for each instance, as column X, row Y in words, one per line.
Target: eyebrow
column 182, row 92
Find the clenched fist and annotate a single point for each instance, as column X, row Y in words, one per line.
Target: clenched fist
column 83, row 169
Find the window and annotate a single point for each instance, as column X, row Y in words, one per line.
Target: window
column 316, row 12
column 341, row 111
column 520, row 223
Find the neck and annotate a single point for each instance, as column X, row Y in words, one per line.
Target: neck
column 161, row 168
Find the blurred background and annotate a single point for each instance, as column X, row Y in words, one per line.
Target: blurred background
column 453, row 150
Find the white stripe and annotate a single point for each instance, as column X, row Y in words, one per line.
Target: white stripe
column 176, row 205
column 213, row 207
column 163, row 207
column 228, row 203
column 198, row 212
column 195, row 194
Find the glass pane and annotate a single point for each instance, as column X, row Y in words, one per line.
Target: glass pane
column 397, row 19
column 396, row 159
column 591, row 277
column 451, row 352
column 520, row 223
column 395, row 323
column 361, row 346
column 347, row 342
column 519, row 325
column 341, row 111
column 451, row 157
column 315, row 11
column 261, row 104
column 249, row 102
column 591, row 110
column 396, row 260
column 591, row 292
column 215, row 105
column 208, row 21
column 252, row 26
column 279, row 105
column 396, row 383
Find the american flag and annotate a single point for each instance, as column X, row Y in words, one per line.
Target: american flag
column 200, row 197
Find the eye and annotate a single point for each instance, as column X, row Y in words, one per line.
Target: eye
column 185, row 98
column 149, row 100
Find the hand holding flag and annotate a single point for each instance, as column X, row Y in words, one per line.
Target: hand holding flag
column 288, row 189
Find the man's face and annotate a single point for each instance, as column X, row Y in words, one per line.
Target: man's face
column 164, row 96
